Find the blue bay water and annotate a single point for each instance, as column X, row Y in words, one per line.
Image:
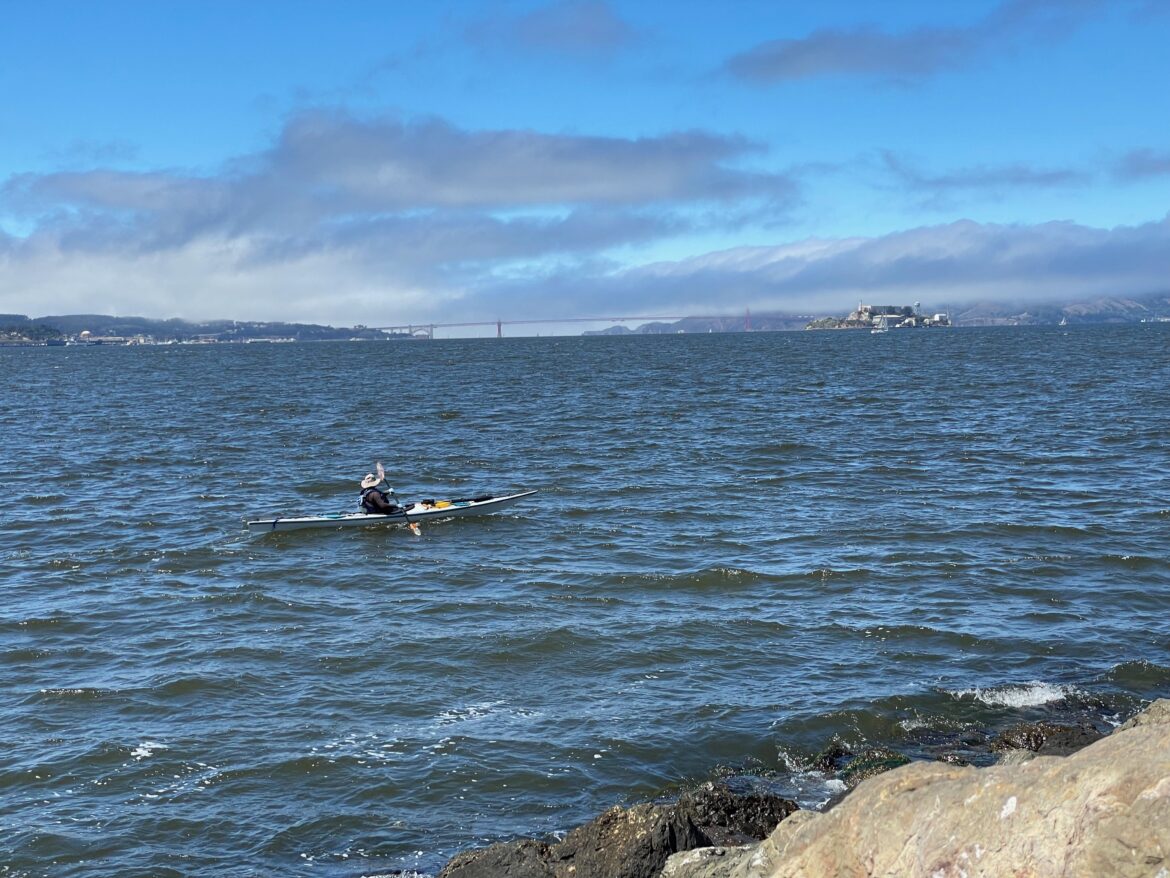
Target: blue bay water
column 742, row 545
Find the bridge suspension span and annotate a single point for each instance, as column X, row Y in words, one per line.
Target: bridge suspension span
column 427, row 330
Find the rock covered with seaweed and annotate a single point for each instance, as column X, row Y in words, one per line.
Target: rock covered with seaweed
column 632, row 842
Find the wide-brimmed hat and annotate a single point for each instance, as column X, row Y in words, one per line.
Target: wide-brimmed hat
column 371, row 480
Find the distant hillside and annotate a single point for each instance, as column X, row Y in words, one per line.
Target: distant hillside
column 183, row 330
column 731, row 323
column 1107, row 309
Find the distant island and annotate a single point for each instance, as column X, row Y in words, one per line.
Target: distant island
column 879, row 318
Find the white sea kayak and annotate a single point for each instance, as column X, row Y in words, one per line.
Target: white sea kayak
column 412, row 513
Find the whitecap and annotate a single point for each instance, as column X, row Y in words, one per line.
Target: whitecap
column 147, row 748
column 1031, row 694
column 469, row 713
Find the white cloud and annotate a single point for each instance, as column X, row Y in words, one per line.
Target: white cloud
column 953, row 263
column 345, row 216
column 381, row 221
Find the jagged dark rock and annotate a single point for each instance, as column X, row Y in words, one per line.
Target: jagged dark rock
column 832, row 757
column 837, row 758
column 632, row 842
column 1047, row 739
column 626, row 843
column 514, row 859
column 728, row 818
column 869, row 763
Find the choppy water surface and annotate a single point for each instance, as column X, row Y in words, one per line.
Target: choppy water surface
column 743, row 545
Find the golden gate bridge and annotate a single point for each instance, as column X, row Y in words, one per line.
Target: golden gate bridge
column 427, row 330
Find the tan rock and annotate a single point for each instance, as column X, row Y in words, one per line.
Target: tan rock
column 716, row 862
column 1102, row 811
column 1156, row 714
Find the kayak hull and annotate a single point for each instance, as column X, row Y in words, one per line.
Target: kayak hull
column 414, row 512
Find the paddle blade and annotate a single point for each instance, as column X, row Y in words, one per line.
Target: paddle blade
column 414, row 528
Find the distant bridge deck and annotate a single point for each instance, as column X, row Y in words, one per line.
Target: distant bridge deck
column 427, row 330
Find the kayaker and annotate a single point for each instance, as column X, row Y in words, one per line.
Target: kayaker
column 377, row 496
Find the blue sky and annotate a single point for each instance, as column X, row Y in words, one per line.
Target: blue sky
column 387, row 163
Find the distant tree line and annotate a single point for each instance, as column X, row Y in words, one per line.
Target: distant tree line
column 38, row 332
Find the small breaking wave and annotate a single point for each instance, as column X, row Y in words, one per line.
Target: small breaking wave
column 147, row 749
column 1019, row 695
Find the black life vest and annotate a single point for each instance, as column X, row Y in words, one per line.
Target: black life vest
column 369, row 506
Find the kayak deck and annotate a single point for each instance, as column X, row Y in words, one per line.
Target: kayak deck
column 411, row 513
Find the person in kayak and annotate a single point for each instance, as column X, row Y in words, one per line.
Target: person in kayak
column 377, row 496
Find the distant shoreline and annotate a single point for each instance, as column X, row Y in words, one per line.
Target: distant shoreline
column 8, row 343
column 18, row 330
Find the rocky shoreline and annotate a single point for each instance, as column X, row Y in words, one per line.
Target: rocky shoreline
column 1050, row 799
